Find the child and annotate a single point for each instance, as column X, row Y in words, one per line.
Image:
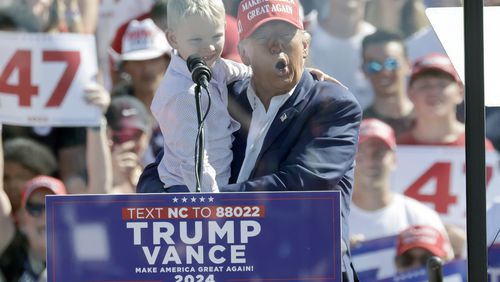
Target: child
column 196, row 27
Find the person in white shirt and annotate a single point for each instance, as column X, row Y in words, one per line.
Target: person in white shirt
column 196, row 27
column 377, row 211
column 336, row 45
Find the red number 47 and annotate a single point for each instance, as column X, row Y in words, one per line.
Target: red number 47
column 442, row 197
column 24, row 88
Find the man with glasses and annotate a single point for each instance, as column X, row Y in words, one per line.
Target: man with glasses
column 31, row 246
column 386, row 65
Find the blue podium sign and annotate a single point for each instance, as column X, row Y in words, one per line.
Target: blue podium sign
column 281, row 236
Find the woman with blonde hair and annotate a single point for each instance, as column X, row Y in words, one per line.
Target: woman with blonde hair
column 401, row 16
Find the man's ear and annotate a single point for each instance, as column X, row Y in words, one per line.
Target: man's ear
column 242, row 49
column 171, row 38
column 306, row 41
column 305, row 51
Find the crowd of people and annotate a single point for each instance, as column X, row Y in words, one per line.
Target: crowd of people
column 321, row 97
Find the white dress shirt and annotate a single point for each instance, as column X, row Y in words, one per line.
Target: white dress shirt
column 174, row 108
column 259, row 126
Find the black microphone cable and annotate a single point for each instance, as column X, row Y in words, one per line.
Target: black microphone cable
column 200, row 140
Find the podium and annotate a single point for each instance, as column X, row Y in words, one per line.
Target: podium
column 269, row 236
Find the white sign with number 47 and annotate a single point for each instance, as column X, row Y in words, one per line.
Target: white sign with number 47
column 43, row 77
column 435, row 176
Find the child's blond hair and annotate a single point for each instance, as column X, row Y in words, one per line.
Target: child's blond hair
column 180, row 9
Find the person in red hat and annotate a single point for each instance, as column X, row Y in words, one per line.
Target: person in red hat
column 417, row 244
column 435, row 90
column 29, row 244
column 378, row 211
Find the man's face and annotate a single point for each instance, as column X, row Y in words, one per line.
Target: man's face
column 146, row 75
column 32, row 222
column 435, row 95
column 412, row 259
column 15, row 177
column 276, row 52
column 198, row 35
column 374, row 162
column 386, row 66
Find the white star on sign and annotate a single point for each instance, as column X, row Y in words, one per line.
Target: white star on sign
column 184, row 199
column 202, row 199
column 175, row 200
column 210, row 199
column 193, row 199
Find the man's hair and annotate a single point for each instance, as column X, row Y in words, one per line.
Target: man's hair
column 31, row 155
column 381, row 37
column 433, row 73
column 180, row 9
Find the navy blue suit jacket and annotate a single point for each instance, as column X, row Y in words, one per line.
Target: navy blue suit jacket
column 311, row 145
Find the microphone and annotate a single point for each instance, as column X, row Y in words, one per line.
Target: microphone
column 201, row 73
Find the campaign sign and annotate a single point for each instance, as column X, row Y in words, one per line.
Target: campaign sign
column 435, row 176
column 374, row 262
column 374, row 259
column 43, row 77
column 494, row 262
column 287, row 236
column 453, row 271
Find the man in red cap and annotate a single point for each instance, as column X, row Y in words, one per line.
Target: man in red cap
column 297, row 133
column 417, row 244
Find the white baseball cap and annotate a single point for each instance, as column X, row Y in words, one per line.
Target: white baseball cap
column 143, row 40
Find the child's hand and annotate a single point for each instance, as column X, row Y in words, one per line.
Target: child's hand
column 321, row 76
column 97, row 95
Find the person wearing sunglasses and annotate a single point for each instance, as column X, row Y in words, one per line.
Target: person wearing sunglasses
column 29, row 243
column 386, row 65
column 417, row 244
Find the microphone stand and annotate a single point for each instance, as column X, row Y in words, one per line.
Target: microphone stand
column 201, row 75
column 200, row 140
column 435, row 269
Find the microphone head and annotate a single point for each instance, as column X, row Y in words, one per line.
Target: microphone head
column 199, row 69
column 194, row 60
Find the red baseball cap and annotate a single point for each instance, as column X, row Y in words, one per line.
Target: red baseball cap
column 374, row 128
column 434, row 62
column 254, row 13
column 42, row 182
column 425, row 237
